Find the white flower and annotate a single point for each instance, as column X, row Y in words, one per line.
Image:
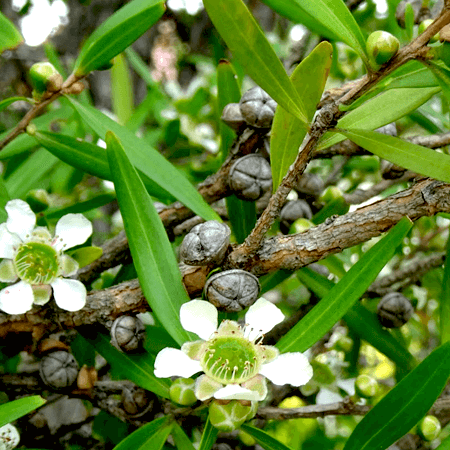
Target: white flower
column 34, row 257
column 9, row 437
column 234, row 362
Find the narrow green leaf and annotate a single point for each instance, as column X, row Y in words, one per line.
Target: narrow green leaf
column 444, row 304
column 4, row 199
column 117, row 33
column 140, row 67
column 410, row 156
column 9, row 35
column 209, row 436
column 333, row 15
column 287, row 134
column 339, row 299
column 272, row 280
column 442, row 76
column 153, row 257
column 150, row 436
column 337, row 206
column 138, row 368
column 85, row 255
column 264, row 439
column 445, row 444
column 182, row 442
column 386, row 108
column 149, row 161
column 121, row 89
column 242, row 216
column 11, row 411
column 9, row 101
column 405, row 405
column 249, row 45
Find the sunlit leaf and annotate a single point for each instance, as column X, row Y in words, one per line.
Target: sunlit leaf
column 11, row 411
column 9, row 35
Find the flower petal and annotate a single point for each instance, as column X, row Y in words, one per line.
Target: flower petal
column 194, row 349
column 200, row 317
column 257, row 384
column 7, row 271
column 206, row 387
column 236, row 392
column 288, row 368
column 261, row 317
column 8, row 242
column 171, row 362
column 42, row 294
column 69, row 294
column 71, row 230
column 16, row 299
column 9, row 437
column 21, row 219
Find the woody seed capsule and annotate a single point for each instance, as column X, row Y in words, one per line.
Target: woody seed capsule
column 232, row 290
column 206, row 243
column 257, row 108
column 309, row 185
column 127, row 333
column 136, row 401
column 58, row 369
column 394, row 310
column 292, row 211
column 250, row 177
column 232, row 116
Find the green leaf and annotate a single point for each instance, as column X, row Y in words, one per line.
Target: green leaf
column 445, row 444
column 153, row 257
column 333, row 15
column 209, row 436
column 182, row 442
column 242, row 216
column 396, row 413
column 410, row 156
column 85, row 255
column 250, row 47
column 9, row 101
column 442, row 76
column 337, row 206
column 139, row 368
column 117, row 33
column 11, row 411
column 386, row 108
column 444, row 304
column 339, row 299
column 149, row 161
column 149, row 436
column 264, row 439
column 272, row 280
column 4, row 199
column 287, row 134
column 9, row 35
column 121, row 89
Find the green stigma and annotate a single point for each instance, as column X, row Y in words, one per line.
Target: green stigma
column 36, row 263
column 231, row 359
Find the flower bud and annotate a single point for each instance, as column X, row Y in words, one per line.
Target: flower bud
column 394, row 310
column 127, row 334
column 182, row 391
column 58, row 369
column 9, row 437
column 232, row 116
column 206, row 243
column 257, row 108
column 429, row 428
column 424, row 25
column 301, row 225
column 228, row 416
column 344, row 344
column 232, row 290
column 44, row 77
column 366, row 386
column 250, row 177
column 293, row 210
column 330, row 193
column 381, row 47
column 136, row 401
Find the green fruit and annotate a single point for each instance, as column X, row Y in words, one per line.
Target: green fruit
column 182, row 391
column 228, row 416
column 381, row 47
column 329, row 194
column 366, row 386
column 44, row 76
column 429, row 428
column 424, row 25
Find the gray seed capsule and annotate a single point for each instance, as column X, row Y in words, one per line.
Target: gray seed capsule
column 127, row 333
column 394, row 310
column 136, row 401
column 232, row 290
column 232, row 116
column 257, row 108
column 58, row 369
column 293, row 210
column 309, row 185
column 391, row 171
column 250, row 177
column 206, row 243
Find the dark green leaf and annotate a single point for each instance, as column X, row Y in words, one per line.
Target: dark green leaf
column 264, row 439
column 444, row 313
column 117, row 33
column 242, row 216
column 182, row 442
column 150, row 436
column 405, row 405
column 209, row 436
column 4, row 199
column 287, row 134
column 149, row 161
column 272, row 280
column 339, row 299
column 153, row 257
column 11, row 411
column 249, row 45
column 442, row 76
column 85, row 255
column 337, row 206
column 9, row 35
column 410, row 156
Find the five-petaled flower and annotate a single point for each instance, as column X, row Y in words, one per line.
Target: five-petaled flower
column 37, row 259
column 234, row 362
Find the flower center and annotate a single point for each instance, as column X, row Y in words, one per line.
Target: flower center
column 230, row 359
column 36, row 263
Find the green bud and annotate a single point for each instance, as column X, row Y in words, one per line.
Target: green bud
column 424, row 25
column 44, row 77
column 344, row 344
column 429, row 428
column 381, row 46
column 38, row 199
column 301, row 225
column 182, row 391
column 366, row 386
column 322, row 373
column 330, row 193
column 228, row 416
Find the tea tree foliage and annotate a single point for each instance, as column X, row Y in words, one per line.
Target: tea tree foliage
column 245, row 154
